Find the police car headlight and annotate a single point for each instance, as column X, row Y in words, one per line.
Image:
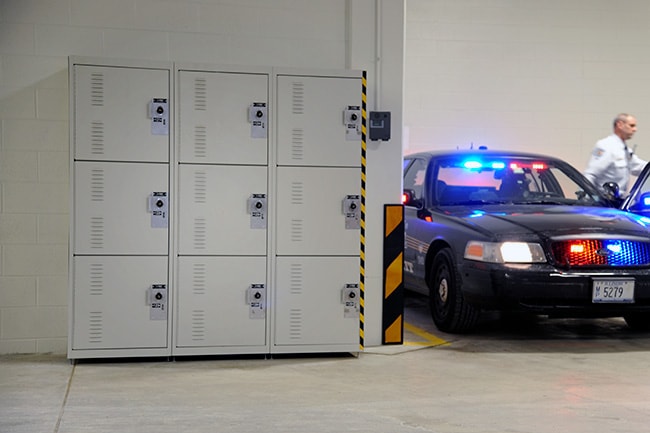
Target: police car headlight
column 505, row 252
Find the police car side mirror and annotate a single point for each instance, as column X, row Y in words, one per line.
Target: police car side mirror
column 408, row 196
column 612, row 191
column 408, row 199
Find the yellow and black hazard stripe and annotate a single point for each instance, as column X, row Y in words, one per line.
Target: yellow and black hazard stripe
column 393, row 303
column 362, row 252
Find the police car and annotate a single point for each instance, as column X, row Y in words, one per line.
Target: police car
column 513, row 231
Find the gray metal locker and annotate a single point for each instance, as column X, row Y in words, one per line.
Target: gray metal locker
column 312, row 130
column 222, row 183
column 215, row 215
column 224, row 221
column 115, row 305
column 314, row 303
column 120, row 226
column 115, row 208
column 223, row 117
column 312, row 218
column 221, row 305
column 318, row 211
column 113, row 113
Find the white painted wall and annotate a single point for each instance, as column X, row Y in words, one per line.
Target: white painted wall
column 521, row 74
column 36, row 38
column 384, row 167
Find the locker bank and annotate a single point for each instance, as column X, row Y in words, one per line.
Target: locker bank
column 216, row 210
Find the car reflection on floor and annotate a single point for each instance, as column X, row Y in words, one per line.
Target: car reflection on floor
column 525, row 332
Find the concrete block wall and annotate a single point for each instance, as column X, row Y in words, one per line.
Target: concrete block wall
column 540, row 76
column 36, row 38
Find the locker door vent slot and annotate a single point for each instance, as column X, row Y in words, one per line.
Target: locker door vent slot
column 95, row 327
column 198, row 325
column 97, row 138
column 96, row 279
column 298, row 97
column 200, row 142
column 297, row 144
column 198, row 278
column 200, row 187
column 97, row 185
column 200, row 228
column 200, row 94
column 297, row 230
column 296, row 283
column 297, row 193
column 97, row 89
column 97, row 232
column 295, row 324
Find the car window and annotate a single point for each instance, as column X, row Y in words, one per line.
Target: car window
column 414, row 178
column 554, row 180
column 499, row 180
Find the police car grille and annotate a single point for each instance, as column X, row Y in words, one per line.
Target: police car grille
column 600, row 253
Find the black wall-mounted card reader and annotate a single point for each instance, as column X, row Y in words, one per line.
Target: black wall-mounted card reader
column 379, row 125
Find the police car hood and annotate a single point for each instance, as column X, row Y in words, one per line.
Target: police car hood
column 551, row 221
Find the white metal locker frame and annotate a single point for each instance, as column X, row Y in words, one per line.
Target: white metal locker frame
column 300, row 329
column 279, row 334
column 220, row 329
column 141, row 336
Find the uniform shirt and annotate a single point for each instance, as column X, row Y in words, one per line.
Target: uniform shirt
column 612, row 161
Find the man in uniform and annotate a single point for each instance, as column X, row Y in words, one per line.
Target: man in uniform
column 611, row 160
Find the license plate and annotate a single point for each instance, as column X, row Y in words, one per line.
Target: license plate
column 612, row 291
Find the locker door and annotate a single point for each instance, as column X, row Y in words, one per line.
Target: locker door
column 310, row 211
column 311, row 127
column 214, row 117
column 212, row 302
column 112, row 208
column 214, row 214
column 309, row 306
column 111, row 303
column 111, row 113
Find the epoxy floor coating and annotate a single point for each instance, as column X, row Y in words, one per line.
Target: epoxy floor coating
column 510, row 376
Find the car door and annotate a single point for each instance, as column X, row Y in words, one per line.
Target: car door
column 414, row 249
column 638, row 201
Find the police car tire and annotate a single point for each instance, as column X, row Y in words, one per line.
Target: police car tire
column 449, row 310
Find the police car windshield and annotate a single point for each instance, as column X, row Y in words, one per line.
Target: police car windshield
column 466, row 181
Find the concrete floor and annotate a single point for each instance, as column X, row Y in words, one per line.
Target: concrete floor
column 548, row 376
